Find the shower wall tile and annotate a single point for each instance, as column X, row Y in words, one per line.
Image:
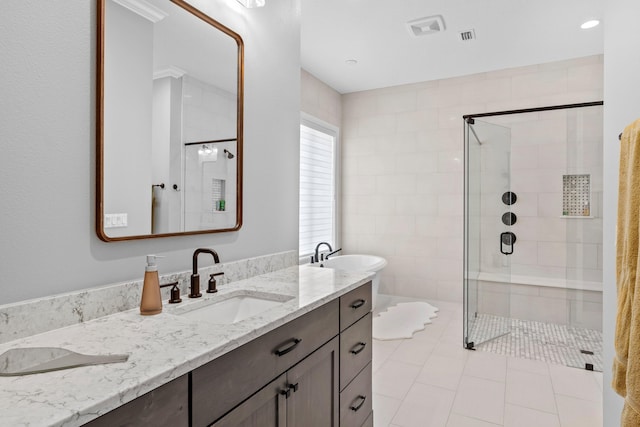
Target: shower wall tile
column 550, row 204
column 525, row 157
column 402, row 151
column 376, row 125
column 553, row 254
column 585, row 78
column 541, row 82
column 414, row 121
column 405, row 101
column 417, row 205
column 416, row 163
column 526, row 252
column 540, row 309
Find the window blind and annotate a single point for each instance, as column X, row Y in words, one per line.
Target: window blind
column 317, row 188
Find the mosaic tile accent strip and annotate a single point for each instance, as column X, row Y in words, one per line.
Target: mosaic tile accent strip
column 576, row 195
column 548, row 342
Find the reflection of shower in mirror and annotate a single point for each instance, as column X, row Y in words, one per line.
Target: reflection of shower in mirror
column 229, row 154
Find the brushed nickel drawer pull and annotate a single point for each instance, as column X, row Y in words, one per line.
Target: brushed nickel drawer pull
column 288, row 346
column 361, row 346
column 358, row 303
column 359, row 405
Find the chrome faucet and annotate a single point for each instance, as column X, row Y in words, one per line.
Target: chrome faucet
column 315, row 257
column 195, row 277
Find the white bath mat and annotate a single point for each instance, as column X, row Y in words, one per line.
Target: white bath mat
column 402, row 320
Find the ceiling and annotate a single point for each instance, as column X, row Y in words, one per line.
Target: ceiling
column 509, row 33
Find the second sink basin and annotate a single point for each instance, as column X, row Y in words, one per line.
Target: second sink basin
column 232, row 308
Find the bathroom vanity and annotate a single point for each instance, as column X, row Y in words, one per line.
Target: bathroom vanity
column 309, row 358
column 312, row 371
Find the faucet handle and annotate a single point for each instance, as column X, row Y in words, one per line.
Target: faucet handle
column 175, row 292
column 211, row 288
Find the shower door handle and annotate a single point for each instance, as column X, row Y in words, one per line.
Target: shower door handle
column 507, row 239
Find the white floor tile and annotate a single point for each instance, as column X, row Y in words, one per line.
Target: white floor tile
column 442, row 372
column 456, row 420
column 531, row 391
column 424, row 406
column 480, row 398
column 450, row 350
column 385, row 409
column 431, row 380
column 518, row 416
column 394, row 379
column 485, row 365
column 414, row 352
column 381, row 352
column 528, row 365
column 575, row 412
column 575, row 383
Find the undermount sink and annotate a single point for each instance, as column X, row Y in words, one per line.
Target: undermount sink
column 231, row 308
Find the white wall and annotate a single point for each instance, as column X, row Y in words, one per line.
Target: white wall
column 622, row 92
column 47, row 166
column 403, row 165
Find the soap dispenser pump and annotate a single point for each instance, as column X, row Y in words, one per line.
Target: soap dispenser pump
column 151, row 301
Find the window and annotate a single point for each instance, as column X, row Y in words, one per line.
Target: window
column 318, row 147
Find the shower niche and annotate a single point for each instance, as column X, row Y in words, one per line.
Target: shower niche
column 576, row 195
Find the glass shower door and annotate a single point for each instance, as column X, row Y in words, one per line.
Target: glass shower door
column 487, row 239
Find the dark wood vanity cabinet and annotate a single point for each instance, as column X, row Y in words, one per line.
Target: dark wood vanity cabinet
column 305, row 395
column 314, row 371
column 166, row 406
column 355, row 358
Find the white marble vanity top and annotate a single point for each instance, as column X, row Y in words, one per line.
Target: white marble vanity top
column 160, row 348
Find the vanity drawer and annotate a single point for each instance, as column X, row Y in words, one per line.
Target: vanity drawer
column 354, row 305
column 223, row 383
column 356, row 400
column 355, row 349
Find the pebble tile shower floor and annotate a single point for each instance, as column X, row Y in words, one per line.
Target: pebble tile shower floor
column 547, row 342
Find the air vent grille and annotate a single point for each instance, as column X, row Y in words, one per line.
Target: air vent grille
column 428, row 25
column 467, row 35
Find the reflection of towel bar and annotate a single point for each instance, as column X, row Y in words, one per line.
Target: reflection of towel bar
column 158, row 185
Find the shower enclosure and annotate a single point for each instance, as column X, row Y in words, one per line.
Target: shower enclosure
column 533, row 233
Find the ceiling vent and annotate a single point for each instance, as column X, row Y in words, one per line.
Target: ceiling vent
column 467, row 35
column 425, row 26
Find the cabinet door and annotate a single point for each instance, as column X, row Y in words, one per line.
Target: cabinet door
column 314, row 383
column 266, row 408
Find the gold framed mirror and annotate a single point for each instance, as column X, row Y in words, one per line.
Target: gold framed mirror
column 169, row 121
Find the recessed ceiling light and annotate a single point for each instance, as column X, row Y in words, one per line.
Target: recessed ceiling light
column 590, row 24
column 351, row 61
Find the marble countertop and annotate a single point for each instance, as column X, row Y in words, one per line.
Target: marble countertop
column 160, row 348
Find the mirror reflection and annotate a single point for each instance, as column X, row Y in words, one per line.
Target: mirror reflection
column 170, row 146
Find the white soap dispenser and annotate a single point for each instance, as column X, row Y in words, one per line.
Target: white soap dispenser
column 151, row 301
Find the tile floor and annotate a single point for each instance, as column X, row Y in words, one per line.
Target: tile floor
column 430, row 380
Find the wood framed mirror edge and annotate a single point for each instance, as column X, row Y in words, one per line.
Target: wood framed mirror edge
column 100, row 59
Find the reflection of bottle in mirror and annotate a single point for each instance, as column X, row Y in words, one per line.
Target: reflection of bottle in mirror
column 221, row 205
column 586, row 211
